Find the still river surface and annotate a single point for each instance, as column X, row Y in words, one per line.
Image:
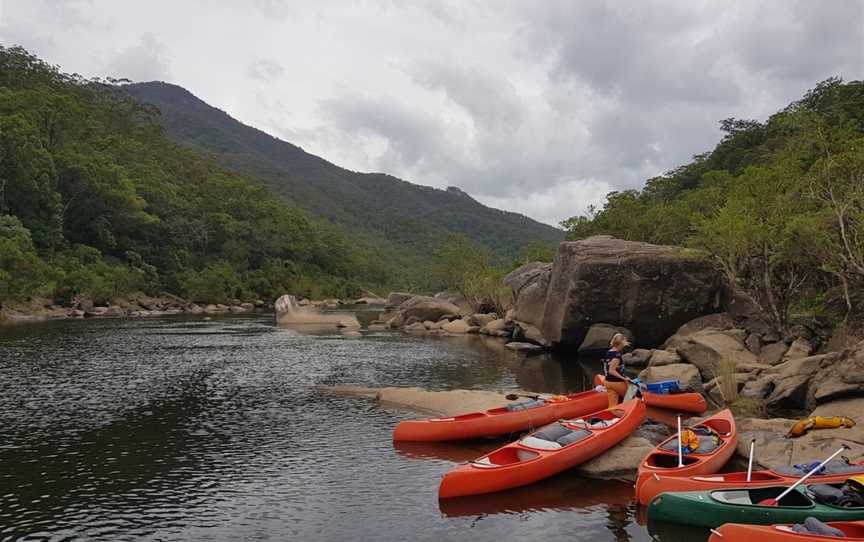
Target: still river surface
column 186, row 429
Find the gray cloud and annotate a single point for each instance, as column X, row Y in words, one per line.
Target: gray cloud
column 536, row 107
column 265, row 69
column 147, row 60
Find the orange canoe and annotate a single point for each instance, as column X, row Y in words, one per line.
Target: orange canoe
column 737, row 532
column 499, row 421
column 663, row 460
column 681, row 402
column 835, row 472
column 554, row 448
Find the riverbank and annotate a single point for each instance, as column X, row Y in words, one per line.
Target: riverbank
column 40, row 310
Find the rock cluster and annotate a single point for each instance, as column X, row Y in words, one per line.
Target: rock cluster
column 135, row 307
column 445, row 315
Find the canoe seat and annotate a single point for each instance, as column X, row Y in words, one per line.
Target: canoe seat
column 540, row 444
column 814, row 526
column 706, row 445
column 554, row 436
column 525, row 405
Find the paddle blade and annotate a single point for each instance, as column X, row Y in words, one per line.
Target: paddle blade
column 769, row 502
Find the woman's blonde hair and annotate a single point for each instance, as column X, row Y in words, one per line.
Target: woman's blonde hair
column 619, row 341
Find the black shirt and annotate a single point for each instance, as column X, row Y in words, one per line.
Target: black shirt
column 607, row 359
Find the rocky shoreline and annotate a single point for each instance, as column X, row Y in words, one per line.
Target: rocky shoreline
column 40, row 310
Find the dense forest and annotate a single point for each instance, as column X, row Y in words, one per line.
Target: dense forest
column 403, row 221
column 779, row 205
column 96, row 202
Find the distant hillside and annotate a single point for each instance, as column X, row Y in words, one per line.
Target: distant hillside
column 403, row 218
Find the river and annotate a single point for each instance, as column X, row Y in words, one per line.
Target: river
column 190, row 429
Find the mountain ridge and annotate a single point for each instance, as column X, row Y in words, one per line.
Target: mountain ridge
column 371, row 205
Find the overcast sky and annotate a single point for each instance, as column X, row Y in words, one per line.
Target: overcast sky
column 541, row 107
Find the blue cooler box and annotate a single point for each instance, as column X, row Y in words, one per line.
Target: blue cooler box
column 664, row 387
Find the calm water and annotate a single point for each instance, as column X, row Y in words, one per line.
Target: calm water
column 177, row 429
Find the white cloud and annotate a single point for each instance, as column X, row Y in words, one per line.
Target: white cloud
column 146, row 60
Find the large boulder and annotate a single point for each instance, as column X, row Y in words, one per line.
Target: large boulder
column 394, row 299
column 597, row 339
column 290, row 312
column 719, row 322
column 529, row 284
column 639, row 357
column 687, row 374
column 705, row 349
column 649, row 289
column 621, row 461
column 525, row 332
column 423, row 308
column 663, row 357
column 773, row 353
column 457, row 327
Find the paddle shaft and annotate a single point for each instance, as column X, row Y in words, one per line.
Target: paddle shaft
column 750, row 462
column 514, row 396
column 680, row 447
column 809, row 474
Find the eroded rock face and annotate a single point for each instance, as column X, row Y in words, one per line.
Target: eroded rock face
column 529, row 284
column 650, row 289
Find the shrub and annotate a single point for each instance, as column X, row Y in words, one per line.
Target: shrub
column 216, row 283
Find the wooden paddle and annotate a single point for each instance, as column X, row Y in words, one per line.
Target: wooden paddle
column 775, row 502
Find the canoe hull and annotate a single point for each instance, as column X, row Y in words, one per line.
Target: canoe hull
column 690, row 402
column 664, row 463
column 654, row 485
column 497, row 421
column 737, row 532
column 698, row 508
column 475, row 479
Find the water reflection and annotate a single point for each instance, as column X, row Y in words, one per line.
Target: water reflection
column 179, row 428
column 564, row 492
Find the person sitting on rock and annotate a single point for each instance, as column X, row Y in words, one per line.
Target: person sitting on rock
column 613, row 369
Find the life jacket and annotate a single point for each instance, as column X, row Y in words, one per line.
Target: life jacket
column 607, row 359
column 689, row 441
column 819, row 422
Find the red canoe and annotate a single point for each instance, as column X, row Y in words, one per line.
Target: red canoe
column 681, row 402
column 737, row 532
column 663, row 460
column 552, row 449
column 835, row 472
column 499, row 421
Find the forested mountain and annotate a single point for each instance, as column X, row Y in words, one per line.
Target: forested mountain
column 96, row 202
column 406, row 220
column 779, row 206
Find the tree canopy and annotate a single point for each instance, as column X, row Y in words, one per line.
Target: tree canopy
column 779, row 205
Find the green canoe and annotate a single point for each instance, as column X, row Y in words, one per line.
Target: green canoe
column 714, row 508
